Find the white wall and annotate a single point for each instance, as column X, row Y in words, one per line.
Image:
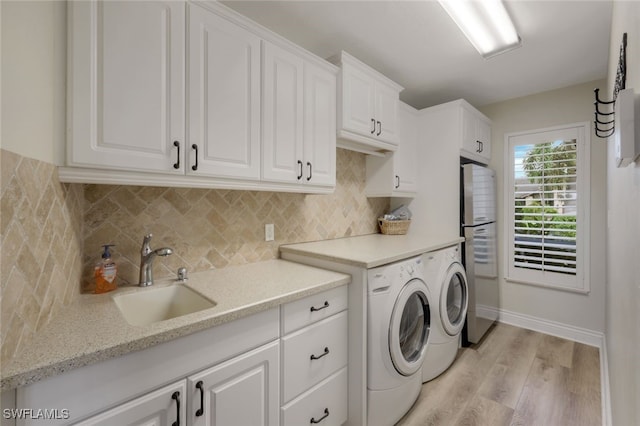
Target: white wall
column 623, row 240
column 562, row 106
column 34, row 79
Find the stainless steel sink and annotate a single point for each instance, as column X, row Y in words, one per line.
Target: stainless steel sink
column 158, row 304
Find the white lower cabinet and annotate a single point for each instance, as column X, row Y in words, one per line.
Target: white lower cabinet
column 314, row 360
column 242, row 391
column 164, row 406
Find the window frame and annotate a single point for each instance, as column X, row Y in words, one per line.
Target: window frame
column 581, row 283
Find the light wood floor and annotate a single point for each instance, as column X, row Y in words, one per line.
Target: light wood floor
column 514, row 377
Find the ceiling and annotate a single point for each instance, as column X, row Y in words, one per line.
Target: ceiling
column 416, row 44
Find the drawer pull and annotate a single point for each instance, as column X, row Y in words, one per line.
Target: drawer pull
column 326, row 305
column 326, row 414
column 326, row 352
column 200, row 411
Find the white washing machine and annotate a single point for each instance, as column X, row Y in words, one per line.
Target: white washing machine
column 398, row 327
column 445, row 276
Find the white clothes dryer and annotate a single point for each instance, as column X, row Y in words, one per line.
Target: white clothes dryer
column 446, row 278
column 398, row 328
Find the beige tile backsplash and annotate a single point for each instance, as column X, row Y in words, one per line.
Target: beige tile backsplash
column 41, row 245
column 51, row 233
column 215, row 228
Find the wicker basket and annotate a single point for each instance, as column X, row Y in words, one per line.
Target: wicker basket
column 394, row 227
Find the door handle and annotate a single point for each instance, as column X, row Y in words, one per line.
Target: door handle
column 310, row 171
column 397, row 181
column 176, row 165
column 379, row 128
column 373, row 120
column 300, row 169
column 176, row 397
column 195, row 166
column 200, row 411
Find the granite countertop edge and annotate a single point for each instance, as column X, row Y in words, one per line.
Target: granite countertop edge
column 36, row 362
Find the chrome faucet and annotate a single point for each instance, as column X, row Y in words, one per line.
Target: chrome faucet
column 146, row 260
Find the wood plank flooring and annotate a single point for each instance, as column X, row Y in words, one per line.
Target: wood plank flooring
column 514, row 377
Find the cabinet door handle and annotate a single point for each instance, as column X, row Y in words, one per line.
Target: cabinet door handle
column 326, row 414
column 478, row 148
column 176, row 165
column 176, row 396
column 195, row 166
column 325, row 353
column 324, row 306
column 373, row 121
column 379, row 128
column 200, row 411
column 397, row 181
column 310, row 171
column 300, row 169
column 481, row 146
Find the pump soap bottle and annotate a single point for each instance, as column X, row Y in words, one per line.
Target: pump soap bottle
column 105, row 272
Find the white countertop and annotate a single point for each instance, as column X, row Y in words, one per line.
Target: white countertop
column 369, row 251
column 92, row 329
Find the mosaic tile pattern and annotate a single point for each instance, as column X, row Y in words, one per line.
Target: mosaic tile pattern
column 41, row 246
column 216, row 228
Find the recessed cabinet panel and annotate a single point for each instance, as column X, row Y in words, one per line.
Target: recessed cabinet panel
column 126, row 99
column 283, row 114
column 224, row 97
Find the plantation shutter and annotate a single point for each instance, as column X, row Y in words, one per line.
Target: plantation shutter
column 545, row 207
column 546, row 222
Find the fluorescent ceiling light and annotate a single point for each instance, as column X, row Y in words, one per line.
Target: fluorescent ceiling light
column 485, row 23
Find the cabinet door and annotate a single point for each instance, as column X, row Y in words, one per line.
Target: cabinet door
column 469, row 137
column 162, row 407
column 405, row 158
column 319, row 126
column 386, row 113
column 126, row 94
column 224, row 97
column 282, row 158
column 241, row 391
column 483, row 132
column 358, row 101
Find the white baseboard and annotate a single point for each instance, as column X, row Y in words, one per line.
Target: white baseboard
column 569, row 332
column 565, row 331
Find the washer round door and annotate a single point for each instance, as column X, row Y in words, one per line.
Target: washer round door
column 454, row 299
column 409, row 328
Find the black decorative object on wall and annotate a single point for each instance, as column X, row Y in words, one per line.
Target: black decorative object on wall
column 604, row 123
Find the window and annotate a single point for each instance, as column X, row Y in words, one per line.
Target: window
column 547, row 220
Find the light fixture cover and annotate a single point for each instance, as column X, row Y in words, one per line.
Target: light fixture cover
column 485, row 23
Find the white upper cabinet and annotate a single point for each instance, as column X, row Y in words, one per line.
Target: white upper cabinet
column 299, row 110
column 367, row 107
column 395, row 174
column 476, row 134
column 126, row 85
column 224, row 97
column 260, row 111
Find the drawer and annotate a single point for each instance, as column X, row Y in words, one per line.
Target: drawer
column 329, row 395
column 301, row 313
column 325, row 340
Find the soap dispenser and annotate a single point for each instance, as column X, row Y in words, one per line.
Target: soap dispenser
column 105, row 272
